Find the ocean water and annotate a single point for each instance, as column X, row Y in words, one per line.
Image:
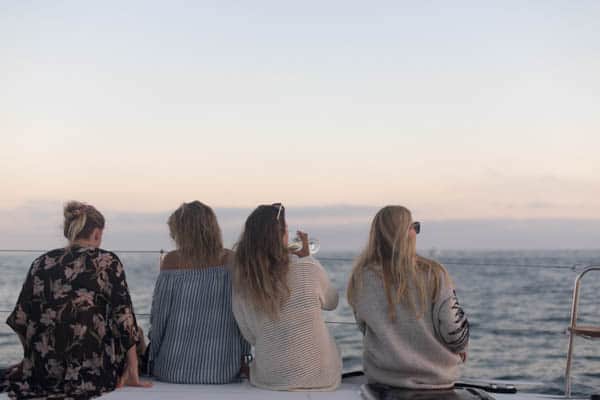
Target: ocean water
column 517, row 302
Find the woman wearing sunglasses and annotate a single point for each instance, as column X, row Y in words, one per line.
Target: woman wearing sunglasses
column 277, row 303
column 415, row 333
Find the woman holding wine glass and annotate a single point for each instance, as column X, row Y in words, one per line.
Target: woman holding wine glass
column 277, row 302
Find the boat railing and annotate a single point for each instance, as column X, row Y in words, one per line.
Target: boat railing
column 446, row 261
column 587, row 331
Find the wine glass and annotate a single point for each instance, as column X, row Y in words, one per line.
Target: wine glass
column 295, row 245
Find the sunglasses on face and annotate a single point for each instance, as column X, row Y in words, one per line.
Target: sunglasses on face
column 416, row 226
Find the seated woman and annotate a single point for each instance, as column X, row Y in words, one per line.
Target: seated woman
column 193, row 335
column 75, row 318
column 277, row 304
column 415, row 333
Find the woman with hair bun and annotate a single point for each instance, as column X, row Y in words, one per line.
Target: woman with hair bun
column 193, row 336
column 415, row 332
column 74, row 318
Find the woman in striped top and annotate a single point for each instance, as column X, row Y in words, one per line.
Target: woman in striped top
column 194, row 338
column 277, row 303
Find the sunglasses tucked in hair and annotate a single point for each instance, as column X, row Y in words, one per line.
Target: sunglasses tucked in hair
column 416, row 226
column 279, row 207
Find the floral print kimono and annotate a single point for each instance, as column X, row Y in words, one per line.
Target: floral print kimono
column 75, row 320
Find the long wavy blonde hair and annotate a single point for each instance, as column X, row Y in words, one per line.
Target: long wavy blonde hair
column 262, row 261
column 195, row 230
column 391, row 253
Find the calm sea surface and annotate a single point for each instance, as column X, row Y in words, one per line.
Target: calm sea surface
column 517, row 302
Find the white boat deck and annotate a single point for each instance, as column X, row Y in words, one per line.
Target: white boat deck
column 245, row 391
column 346, row 391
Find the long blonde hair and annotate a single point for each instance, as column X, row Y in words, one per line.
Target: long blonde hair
column 262, row 261
column 80, row 220
column 391, row 253
column 195, row 230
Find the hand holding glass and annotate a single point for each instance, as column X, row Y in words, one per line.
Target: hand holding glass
column 295, row 245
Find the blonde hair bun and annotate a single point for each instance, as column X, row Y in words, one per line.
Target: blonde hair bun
column 80, row 220
column 73, row 209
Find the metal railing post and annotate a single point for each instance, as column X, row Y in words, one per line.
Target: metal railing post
column 573, row 325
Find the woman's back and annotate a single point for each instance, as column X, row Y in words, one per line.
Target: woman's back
column 295, row 351
column 76, row 322
column 194, row 336
column 408, row 351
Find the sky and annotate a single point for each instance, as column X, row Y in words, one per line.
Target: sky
column 461, row 111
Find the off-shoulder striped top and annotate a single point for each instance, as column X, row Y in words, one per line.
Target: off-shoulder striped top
column 194, row 338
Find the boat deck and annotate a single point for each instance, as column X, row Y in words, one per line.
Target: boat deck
column 346, row 391
column 245, row 391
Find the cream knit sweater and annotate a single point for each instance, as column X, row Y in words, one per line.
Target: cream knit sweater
column 295, row 352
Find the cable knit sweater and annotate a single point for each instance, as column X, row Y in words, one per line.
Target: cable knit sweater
column 409, row 352
column 295, row 352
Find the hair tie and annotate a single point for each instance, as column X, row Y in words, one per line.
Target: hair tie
column 81, row 210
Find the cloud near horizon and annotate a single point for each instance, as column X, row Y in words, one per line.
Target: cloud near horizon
column 339, row 228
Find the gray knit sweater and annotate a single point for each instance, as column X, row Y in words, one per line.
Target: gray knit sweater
column 409, row 352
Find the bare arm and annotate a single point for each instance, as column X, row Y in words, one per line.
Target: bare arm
column 131, row 376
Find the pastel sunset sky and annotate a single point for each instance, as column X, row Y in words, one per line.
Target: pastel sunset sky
column 459, row 110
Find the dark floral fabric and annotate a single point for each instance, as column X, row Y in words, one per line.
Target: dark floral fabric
column 75, row 319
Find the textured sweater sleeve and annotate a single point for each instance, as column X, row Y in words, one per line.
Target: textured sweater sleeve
column 328, row 294
column 239, row 314
column 362, row 325
column 449, row 320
